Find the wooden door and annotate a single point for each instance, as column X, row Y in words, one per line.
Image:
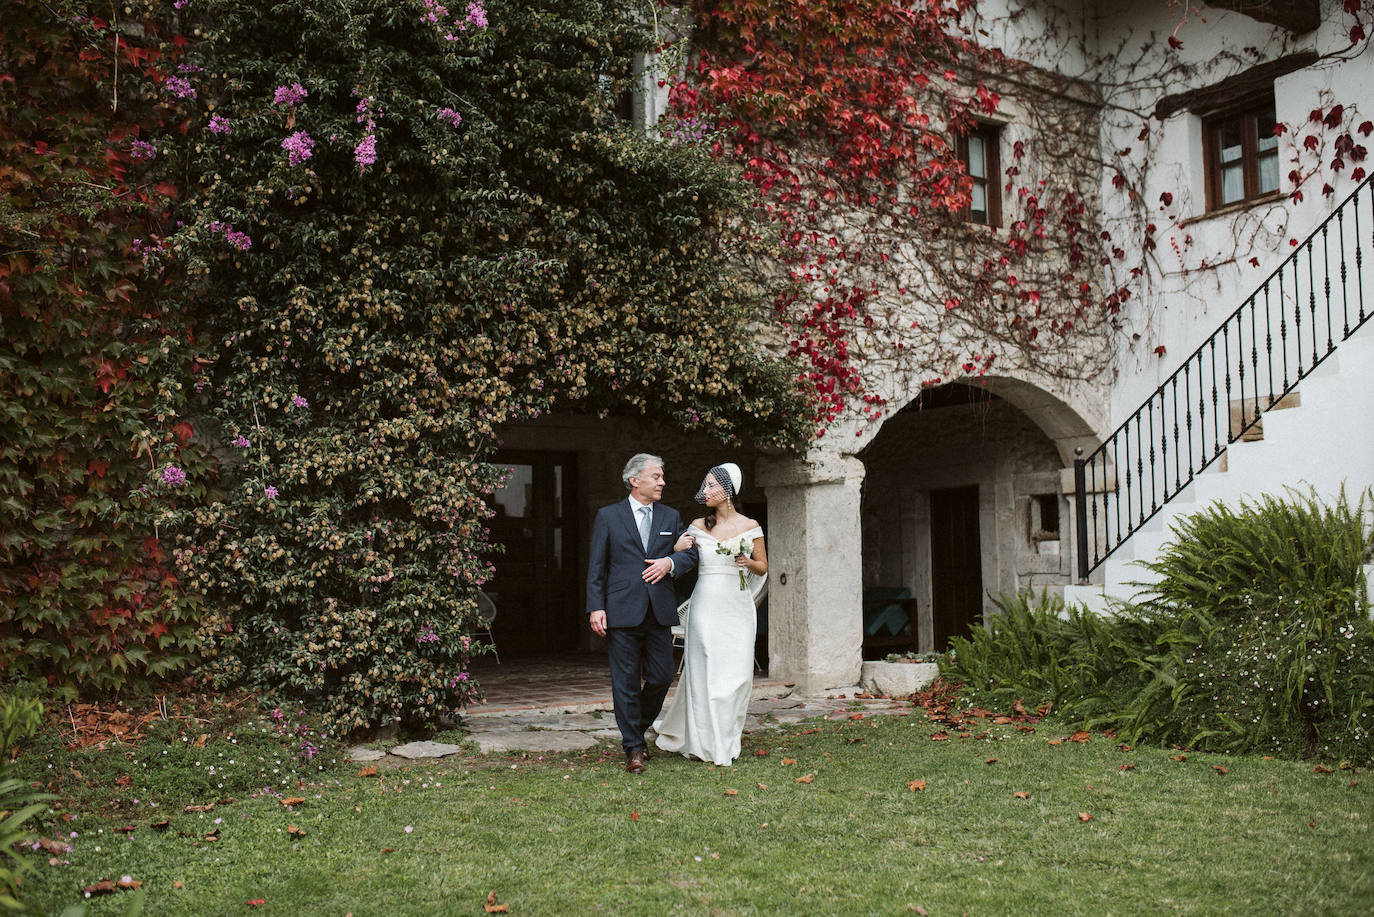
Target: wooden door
column 956, row 563
column 535, row 586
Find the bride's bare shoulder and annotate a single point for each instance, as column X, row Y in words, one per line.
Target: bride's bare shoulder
column 699, row 523
column 748, row 524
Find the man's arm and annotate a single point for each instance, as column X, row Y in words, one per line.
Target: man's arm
column 596, row 573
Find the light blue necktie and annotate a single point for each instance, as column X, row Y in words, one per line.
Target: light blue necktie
column 645, row 514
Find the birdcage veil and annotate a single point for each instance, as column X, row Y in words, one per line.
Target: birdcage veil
column 727, row 476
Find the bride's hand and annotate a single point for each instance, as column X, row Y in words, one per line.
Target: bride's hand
column 684, row 542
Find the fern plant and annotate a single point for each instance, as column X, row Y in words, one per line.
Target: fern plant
column 19, row 717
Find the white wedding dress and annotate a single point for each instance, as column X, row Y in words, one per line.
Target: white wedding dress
column 705, row 717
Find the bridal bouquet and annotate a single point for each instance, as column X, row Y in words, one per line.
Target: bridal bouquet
column 741, row 546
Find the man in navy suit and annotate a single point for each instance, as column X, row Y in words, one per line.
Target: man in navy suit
column 630, row 599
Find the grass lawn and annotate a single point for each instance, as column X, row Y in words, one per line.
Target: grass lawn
column 578, row 835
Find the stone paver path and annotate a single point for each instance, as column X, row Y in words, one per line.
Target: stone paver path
column 545, row 731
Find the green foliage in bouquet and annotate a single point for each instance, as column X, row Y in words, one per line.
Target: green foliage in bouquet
column 411, row 225
column 96, row 361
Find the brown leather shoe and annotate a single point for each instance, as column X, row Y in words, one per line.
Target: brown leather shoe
column 634, row 761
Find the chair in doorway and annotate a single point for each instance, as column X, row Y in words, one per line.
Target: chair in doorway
column 758, row 585
column 486, row 613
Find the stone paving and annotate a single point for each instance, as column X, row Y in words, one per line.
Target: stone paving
column 574, row 727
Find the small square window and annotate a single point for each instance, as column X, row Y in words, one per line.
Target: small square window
column 1044, row 517
column 978, row 150
column 1242, row 154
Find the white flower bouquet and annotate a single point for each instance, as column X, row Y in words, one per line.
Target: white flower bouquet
column 740, row 546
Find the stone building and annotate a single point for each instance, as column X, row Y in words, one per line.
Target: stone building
column 898, row 534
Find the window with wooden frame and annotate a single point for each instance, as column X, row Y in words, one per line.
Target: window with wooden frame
column 1242, row 153
column 978, row 149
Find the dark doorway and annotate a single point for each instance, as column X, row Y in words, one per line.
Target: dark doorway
column 535, row 586
column 956, row 563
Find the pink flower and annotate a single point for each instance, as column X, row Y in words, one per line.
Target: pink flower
column 477, row 15
column 299, row 402
column 299, row 146
column 241, row 442
column 173, row 475
column 218, row 125
column 451, row 116
column 180, row 87
column 289, row 95
column 271, row 492
column 365, row 153
column 141, row 149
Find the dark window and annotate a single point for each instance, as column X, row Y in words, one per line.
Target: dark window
column 979, row 153
column 1242, row 154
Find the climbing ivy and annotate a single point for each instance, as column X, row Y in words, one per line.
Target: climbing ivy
column 409, row 226
column 95, row 359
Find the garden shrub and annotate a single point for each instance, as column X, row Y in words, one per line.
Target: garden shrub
column 1038, row 649
column 409, row 225
column 95, row 357
column 19, row 802
column 1256, row 638
column 1266, row 643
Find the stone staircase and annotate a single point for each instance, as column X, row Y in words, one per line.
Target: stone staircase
column 1321, row 439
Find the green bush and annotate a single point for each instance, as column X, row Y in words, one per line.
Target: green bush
column 19, row 802
column 1265, row 641
column 1256, row 638
column 1039, row 650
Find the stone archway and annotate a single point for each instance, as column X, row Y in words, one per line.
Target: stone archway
column 821, row 541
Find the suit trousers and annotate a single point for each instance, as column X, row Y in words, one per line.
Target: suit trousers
column 641, row 660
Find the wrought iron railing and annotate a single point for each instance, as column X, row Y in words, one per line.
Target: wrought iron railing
column 1278, row 335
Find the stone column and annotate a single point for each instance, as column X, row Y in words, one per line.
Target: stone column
column 815, row 571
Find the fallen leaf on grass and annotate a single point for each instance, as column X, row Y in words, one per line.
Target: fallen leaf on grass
column 161, row 825
column 761, row 753
column 634, row 816
column 1025, row 729
column 1220, row 768
column 178, row 884
column 388, row 850
column 916, row 786
column 122, row 780
column 856, row 716
column 788, row 762
column 1056, row 741
column 939, row 736
column 1178, row 757
column 369, row 771
column 807, row 732
column 103, row 887
column 213, row 835
column 295, row 831
column 256, row 902
column 1021, row 794
column 990, row 761
column 205, row 808
column 1080, row 736
column 1322, row 769
column 807, row 778
column 762, row 786
column 1085, row 816
column 492, row 907
column 201, row 740
column 292, row 800
column 54, row 846
column 1126, row 767
column 732, row 792
column 1124, row 747
column 1001, row 720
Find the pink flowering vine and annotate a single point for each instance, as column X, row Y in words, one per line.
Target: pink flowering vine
column 299, row 146
column 289, row 95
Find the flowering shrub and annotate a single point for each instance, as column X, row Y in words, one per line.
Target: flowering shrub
column 95, row 360
column 450, row 230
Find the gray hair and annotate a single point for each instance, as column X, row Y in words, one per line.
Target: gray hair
column 634, row 468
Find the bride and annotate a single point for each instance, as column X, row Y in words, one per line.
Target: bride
column 705, row 717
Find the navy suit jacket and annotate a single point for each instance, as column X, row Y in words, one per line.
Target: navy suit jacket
column 615, row 565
